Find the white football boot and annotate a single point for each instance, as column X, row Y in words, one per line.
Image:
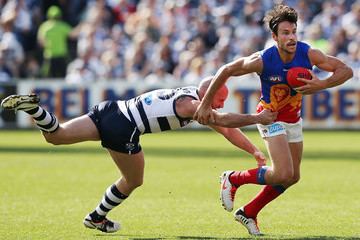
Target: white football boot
column 105, row 225
column 227, row 191
column 20, row 102
column 249, row 223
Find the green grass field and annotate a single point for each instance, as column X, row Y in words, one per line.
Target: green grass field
column 46, row 190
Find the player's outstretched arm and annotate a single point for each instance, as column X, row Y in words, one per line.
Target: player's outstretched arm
column 239, row 67
column 240, row 140
column 236, row 120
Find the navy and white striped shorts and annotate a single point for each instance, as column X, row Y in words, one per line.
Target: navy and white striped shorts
column 116, row 131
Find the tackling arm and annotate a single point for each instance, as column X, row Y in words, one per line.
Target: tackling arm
column 236, row 120
column 240, row 140
column 238, row 67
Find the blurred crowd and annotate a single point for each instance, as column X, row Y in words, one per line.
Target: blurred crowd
column 84, row 41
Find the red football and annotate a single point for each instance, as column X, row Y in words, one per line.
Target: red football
column 297, row 72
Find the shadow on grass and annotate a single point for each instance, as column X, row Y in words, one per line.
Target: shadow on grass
column 51, row 149
column 134, row 237
column 180, row 152
column 218, row 152
column 312, row 237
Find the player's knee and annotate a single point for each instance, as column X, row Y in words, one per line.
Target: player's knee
column 294, row 179
column 54, row 142
column 135, row 183
column 51, row 139
column 284, row 177
column 59, row 137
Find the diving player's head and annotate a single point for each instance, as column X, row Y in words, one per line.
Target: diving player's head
column 282, row 21
column 220, row 96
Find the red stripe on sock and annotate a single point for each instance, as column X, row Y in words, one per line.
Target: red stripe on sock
column 266, row 195
column 244, row 177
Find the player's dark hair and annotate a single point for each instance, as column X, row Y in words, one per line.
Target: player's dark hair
column 280, row 13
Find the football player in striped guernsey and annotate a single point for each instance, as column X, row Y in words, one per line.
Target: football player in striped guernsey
column 119, row 125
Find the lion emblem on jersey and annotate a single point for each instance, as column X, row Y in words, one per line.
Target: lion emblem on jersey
column 296, row 101
column 280, row 96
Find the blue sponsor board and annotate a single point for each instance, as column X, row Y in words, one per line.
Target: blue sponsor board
column 335, row 108
column 341, row 105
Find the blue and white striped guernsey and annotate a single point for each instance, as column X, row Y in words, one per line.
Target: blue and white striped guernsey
column 155, row 111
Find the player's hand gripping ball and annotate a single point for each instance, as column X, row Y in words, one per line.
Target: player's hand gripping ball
column 297, row 72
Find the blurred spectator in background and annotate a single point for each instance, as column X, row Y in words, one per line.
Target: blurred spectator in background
column 53, row 37
column 163, row 55
column 206, row 32
column 196, row 71
column 22, row 21
column 183, row 66
column 338, row 42
column 11, row 50
column 27, row 19
column 84, row 69
column 315, row 37
column 122, row 9
column 146, row 33
column 113, row 68
column 160, row 75
column 351, row 21
column 137, row 64
column 31, row 67
column 5, row 73
column 112, row 62
column 329, row 18
column 353, row 58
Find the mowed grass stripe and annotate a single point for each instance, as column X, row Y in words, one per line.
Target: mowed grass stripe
column 46, row 192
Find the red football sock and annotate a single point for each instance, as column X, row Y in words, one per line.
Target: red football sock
column 266, row 195
column 255, row 176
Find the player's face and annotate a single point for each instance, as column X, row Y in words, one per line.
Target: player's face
column 286, row 37
column 220, row 98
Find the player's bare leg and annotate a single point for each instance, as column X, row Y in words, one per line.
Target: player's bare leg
column 77, row 130
column 132, row 170
column 282, row 169
column 276, row 178
column 281, row 172
column 296, row 153
column 269, row 193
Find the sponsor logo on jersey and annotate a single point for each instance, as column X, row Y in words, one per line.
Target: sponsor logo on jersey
column 167, row 94
column 148, row 99
column 129, row 146
column 275, row 78
column 186, row 90
column 276, row 127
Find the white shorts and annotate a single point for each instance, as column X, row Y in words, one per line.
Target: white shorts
column 293, row 131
